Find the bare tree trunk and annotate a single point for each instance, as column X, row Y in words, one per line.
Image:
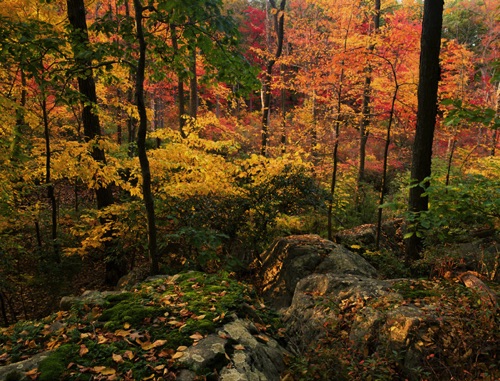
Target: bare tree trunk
column 366, row 108
column 279, row 29
column 386, row 161
column 20, row 121
column 429, row 75
column 48, row 181
column 86, row 85
column 180, row 82
column 193, row 86
column 141, row 140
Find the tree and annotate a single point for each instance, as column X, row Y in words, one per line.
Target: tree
column 86, row 85
column 279, row 29
column 147, row 194
column 429, row 76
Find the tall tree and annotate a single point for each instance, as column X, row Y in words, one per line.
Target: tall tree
column 147, row 194
column 279, row 28
column 429, row 76
column 367, row 90
column 86, row 85
column 115, row 266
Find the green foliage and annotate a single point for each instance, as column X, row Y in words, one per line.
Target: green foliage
column 461, row 113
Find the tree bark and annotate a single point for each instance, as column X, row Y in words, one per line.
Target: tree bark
column 193, row 86
column 279, row 29
column 86, row 85
column 141, row 140
column 180, row 82
column 429, row 76
column 366, row 109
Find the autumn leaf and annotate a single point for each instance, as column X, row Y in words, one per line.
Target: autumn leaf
column 101, row 339
column 83, row 350
column 177, row 355
column 196, row 336
column 117, row 358
column 32, row 374
column 128, row 354
column 122, row 333
column 105, row 371
column 147, row 345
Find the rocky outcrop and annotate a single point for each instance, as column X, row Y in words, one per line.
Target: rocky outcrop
column 239, row 352
column 365, row 236
column 18, row 371
column 328, row 295
column 293, row 258
column 90, row 298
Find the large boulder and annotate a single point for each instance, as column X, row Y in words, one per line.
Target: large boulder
column 293, row 258
column 239, row 352
column 367, row 314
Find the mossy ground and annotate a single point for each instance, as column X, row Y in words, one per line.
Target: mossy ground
column 135, row 335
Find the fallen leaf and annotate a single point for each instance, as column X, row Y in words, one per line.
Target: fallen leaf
column 101, row 339
column 158, row 343
column 177, row 355
column 181, row 348
column 262, row 337
column 128, row 354
column 126, row 325
column 201, row 317
column 83, row 350
column 122, row 333
column 117, row 358
column 159, row 367
column 239, row 347
column 148, row 378
column 196, row 336
column 105, row 371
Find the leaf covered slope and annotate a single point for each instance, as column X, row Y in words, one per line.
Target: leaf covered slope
column 135, row 335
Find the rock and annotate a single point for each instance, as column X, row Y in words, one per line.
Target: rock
column 133, row 277
column 318, row 300
column 185, row 375
column 19, row 369
column 238, row 352
column 209, row 353
column 292, row 258
column 365, row 235
column 256, row 356
column 89, row 297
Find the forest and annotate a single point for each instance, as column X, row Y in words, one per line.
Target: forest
column 190, row 134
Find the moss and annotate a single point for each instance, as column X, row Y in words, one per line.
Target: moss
column 114, row 299
column 53, row 367
column 413, row 290
column 15, row 375
column 128, row 311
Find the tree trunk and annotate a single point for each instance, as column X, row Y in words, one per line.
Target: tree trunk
column 429, row 75
column 20, row 121
column 366, row 109
column 193, row 86
column 386, row 161
column 48, row 181
column 279, row 29
column 141, row 140
column 116, row 267
column 180, row 82
column 86, row 85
